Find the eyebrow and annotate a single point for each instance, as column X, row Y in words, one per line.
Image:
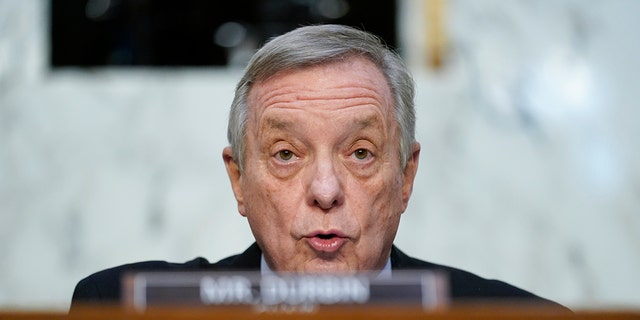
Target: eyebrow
column 273, row 123
column 367, row 122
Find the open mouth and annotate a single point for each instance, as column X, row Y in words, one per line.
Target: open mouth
column 326, row 242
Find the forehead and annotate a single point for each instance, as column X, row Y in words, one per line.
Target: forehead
column 335, row 85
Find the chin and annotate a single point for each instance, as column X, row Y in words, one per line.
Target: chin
column 324, row 266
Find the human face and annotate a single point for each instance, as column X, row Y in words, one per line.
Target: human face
column 322, row 185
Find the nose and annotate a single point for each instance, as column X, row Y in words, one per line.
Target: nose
column 325, row 190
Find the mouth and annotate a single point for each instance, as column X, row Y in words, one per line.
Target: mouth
column 326, row 242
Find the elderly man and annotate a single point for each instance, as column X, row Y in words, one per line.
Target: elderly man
column 322, row 160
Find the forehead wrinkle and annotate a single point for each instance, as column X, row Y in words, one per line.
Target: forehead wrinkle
column 355, row 96
column 281, row 91
column 359, row 124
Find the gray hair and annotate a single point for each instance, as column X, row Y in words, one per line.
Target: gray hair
column 320, row 44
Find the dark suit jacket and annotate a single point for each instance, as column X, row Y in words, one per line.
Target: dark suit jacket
column 104, row 287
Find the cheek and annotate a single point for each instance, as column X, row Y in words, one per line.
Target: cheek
column 267, row 201
column 386, row 206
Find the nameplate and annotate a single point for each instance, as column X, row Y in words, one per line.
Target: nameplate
column 283, row 291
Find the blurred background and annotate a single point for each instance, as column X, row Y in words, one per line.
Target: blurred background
column 113, row 118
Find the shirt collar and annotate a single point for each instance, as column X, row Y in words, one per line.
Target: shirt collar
column 384, row 273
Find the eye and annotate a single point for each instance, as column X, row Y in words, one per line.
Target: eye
column 361, row 154
column 285, row 155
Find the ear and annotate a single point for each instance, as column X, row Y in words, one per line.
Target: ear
column 233, row 170
column 409, row 174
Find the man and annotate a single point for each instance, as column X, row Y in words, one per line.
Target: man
column 322, row 160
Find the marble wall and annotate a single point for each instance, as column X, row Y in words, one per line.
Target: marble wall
column 529, row 170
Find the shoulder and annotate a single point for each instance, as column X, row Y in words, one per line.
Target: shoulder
column 105, row 286
column 466, row 286
column 247, row 260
